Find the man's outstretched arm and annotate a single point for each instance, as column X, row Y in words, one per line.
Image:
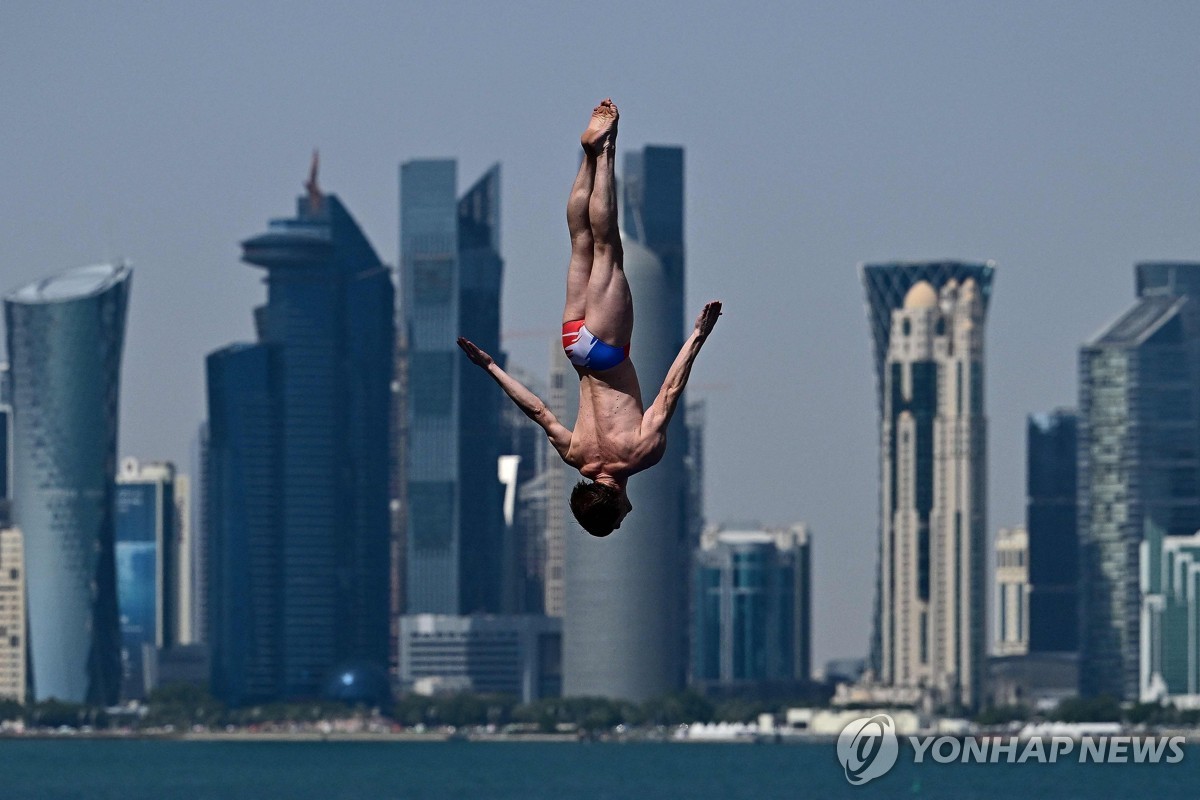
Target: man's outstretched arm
column 658, row 415
column 526, row 400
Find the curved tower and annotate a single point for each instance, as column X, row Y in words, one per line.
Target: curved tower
column 65, row 336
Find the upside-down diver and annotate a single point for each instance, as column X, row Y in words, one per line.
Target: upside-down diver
column 614, row 437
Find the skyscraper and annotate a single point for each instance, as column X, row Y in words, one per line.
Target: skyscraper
column 450, row 278
column 886, row 285
column 931, row 629
column 297, row 465
column 1012, row 592
column 1050, row 520
column 149, row 574
column 611, row 646
column 1139, row 465
column 65, row 336
column 753, row 619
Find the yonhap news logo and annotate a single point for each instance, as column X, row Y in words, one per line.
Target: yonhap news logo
column 868, row 748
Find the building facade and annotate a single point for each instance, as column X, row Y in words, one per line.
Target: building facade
column 450, row 279
column 753, row 606
column 1170, row 623
column 1052, row 525
column 1139, row 466
column 886, row 285
column 1012, row 592
column 13, row 642
column 612, row 648
column 152, row 586
column 518, row 655
column 933, row 553
column 296, row 466
column 65, row 338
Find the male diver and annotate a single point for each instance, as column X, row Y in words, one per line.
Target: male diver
column 613, row 437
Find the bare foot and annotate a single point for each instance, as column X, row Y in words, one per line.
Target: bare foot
column 602, row 129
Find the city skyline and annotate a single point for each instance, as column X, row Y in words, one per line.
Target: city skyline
column 1058, row 143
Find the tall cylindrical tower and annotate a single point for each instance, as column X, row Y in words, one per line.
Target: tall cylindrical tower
column 65, row 336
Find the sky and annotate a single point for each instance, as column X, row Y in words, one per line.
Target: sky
column 1058, row 139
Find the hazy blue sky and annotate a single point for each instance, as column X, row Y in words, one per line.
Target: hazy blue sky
column 1058, row 139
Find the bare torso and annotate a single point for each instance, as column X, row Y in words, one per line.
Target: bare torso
column 608, row 439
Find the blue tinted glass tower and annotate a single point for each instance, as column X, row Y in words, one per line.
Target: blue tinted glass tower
column 753, row 612
column 1139, row 466
column 1050, row 520
column 147, row 556
column 450, row 278
column 65, row 336
column 297, row 465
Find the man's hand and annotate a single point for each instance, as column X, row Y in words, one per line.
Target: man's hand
column 708, row 318
column 476, row 355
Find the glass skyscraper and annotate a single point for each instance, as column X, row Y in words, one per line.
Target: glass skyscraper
column 65, row 337
column 753, row 618
column 296, row 482
column 1050, row 519
column 930, row 628
column 148, row 567
column 450, row 279
column 1139, row 466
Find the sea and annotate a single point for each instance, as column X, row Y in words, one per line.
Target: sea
column 151, row 769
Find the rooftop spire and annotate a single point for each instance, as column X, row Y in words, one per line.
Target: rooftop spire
column 314, row 191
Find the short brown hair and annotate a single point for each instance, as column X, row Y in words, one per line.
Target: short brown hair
column 597, row 506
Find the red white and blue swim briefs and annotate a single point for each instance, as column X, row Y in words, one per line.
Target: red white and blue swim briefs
column 586, row 351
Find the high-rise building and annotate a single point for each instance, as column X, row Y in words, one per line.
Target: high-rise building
column 151, row 583
column 65, row 336
column 1170, row 656
column 611, row 646
column 450, row 277
column 753, row 608
column 886, row 285
column 199, row 541
column 1050, row 520
column 1139, row 466
column 296, row 469
column 13, row 641
column 1012, row 592
column 933, row 545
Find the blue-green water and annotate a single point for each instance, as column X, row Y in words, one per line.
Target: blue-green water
column 156, row 770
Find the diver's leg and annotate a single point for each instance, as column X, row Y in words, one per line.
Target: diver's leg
column 609, row 303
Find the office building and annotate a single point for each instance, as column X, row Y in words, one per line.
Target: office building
column 13, row 642
column 296, row 465
column 450, row 277
column 1051, row 522
column 753, row 620
column 152, row 567
column 930, row 626
column 516, row 655
column 1012, row 592
column 1170, row 624
column 611, row 646
column 1139, row 466
column 65, row 337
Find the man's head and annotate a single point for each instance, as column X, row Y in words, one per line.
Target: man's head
column 599, row 507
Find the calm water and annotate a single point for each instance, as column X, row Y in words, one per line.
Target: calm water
column 153, row 770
